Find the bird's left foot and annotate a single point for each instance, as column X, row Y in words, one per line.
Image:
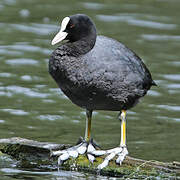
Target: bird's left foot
column 120, row 152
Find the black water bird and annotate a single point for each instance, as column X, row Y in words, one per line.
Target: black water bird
column 97, row 73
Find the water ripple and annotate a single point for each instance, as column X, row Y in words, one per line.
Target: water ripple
column 19, row 112
column 39, row 29
column 1, row 7
column 60, row 173
column 93, row 6
column 5, row 51
column 48, row 101
column 174, row 63
column 170, row 108
column 152, row 24
column 175, row 77
column 156, row 37
column 2, row 121
column 176, row 119
column 24, row 13
column 153, row 93
column 168, row 118
column 173, row 86
column 113, row 18
column 23, row 47
column 8, row 94
column 22, row 61
column 7, row 75
column 9, row 2
column 22, row 90
column 50, row 117
column 30, row 78
column 132, row 20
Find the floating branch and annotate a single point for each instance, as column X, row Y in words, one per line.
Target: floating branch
column 32, row 154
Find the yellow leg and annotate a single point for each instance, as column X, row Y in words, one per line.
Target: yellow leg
column 88, row 125
column 123, row 128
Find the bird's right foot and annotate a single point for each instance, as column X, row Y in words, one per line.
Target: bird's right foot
column 82, row 147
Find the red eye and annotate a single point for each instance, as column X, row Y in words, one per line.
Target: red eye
column 72, row 25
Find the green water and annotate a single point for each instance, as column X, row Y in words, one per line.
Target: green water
column 31, row 105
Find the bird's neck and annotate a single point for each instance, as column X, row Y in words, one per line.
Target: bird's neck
column 81, row 46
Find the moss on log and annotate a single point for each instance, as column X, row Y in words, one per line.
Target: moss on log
column 32, row 154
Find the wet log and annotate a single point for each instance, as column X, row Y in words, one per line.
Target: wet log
column 34, row 154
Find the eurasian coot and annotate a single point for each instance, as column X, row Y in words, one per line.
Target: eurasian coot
column 96, row 73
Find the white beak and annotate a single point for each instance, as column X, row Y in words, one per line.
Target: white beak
column 61, row 35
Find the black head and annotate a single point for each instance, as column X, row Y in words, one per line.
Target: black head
column 74, row 28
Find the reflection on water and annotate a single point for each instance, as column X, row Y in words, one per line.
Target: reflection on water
column 32, row 106
column 27, row 174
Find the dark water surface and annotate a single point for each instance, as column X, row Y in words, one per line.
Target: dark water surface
column 31, row 105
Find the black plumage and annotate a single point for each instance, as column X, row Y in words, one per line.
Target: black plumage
column 98, row 73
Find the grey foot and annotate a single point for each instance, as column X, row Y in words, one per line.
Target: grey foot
column 120, row 152
column 82, row 148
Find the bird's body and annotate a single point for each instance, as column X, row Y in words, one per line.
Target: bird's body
column 97, row 73
column 97, row 80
